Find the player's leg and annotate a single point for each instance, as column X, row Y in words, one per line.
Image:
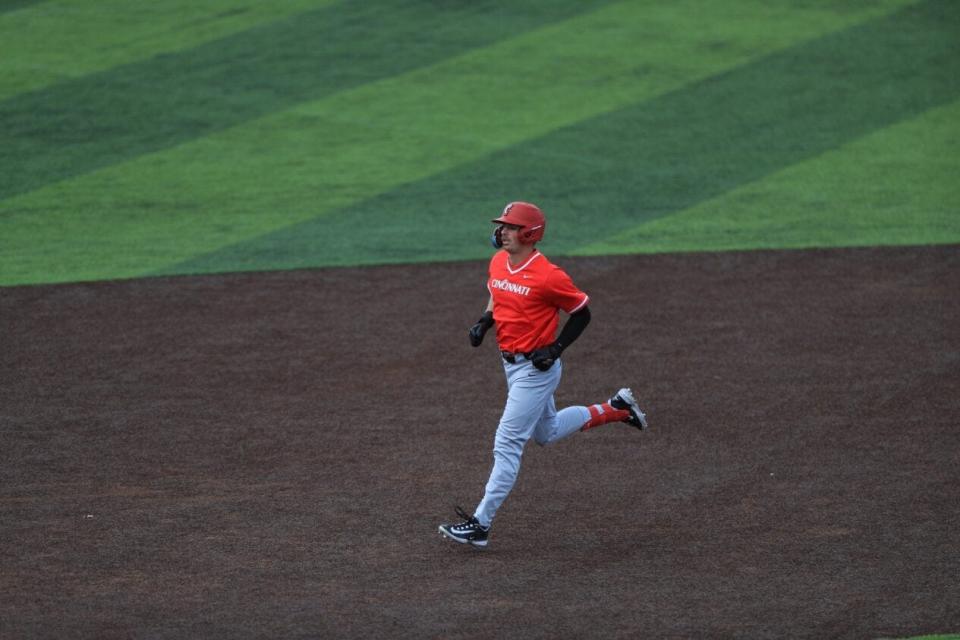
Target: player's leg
column 529, row 391
column 557, row 425
column 622, row 407
column 565, row 422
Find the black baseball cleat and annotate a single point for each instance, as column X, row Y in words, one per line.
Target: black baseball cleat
column 624, row 400
column 467, row 532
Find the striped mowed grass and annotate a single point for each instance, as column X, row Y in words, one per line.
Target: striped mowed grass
column 193, row 137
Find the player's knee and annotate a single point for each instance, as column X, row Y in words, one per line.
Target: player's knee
column 507, row 450
column 546, row 432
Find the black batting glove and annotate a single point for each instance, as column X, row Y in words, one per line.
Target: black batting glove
column 480, row 329
column 544, row 357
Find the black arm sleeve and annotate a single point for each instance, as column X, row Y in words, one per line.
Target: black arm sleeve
column 486, row 319
column 575, row 325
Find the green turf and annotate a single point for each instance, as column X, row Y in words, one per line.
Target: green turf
column 13, row 5
column 657, row 157
column 64, row 39
column 357, row 133
column 80, row 125
column 831, row 200
column 329, row 154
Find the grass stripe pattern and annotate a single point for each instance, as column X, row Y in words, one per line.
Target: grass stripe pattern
column 324, row 134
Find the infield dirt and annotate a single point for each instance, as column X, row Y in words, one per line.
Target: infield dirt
column 269, row 455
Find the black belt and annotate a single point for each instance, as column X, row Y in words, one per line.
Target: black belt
column 512, row 357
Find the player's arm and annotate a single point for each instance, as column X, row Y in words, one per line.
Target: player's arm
column 574, row 326
column 544, row 357
column 480, row 329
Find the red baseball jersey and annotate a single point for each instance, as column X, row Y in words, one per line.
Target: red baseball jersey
column 526, row 300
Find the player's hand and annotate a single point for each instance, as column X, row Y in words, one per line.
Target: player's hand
column 477, row 332
column 480, row 329
column 544, row 357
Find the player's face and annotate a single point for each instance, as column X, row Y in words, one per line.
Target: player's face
column 510, row 236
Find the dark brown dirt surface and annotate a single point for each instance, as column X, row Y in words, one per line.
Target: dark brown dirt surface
column 270, row 455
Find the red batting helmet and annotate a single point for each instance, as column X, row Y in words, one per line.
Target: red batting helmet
column 526, row 216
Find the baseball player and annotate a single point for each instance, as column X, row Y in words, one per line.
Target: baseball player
column 527, row 292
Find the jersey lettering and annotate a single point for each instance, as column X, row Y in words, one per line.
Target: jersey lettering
column 527, row 315
column 512, row 287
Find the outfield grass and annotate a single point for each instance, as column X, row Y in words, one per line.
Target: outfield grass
column 191, row 137
column 63, row 40
column 843, row 197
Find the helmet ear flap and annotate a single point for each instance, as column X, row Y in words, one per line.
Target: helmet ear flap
column 497, row 238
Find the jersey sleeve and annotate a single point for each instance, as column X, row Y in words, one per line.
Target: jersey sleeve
column 563, row 294
column 491, row 266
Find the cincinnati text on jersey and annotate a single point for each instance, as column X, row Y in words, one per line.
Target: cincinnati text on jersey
column 512, row 287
